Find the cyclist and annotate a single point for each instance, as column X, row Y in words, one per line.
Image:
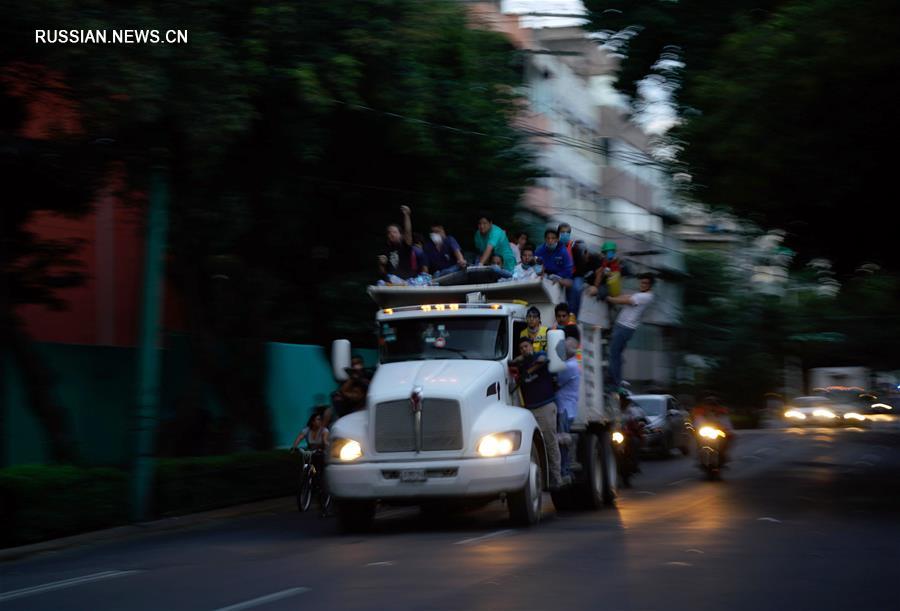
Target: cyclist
column 316, row 435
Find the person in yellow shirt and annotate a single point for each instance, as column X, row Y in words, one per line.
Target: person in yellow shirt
column 535, row 331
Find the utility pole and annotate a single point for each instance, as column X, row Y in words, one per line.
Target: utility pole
column 149, row 353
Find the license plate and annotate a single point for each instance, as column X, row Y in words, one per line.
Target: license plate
column 412, row 475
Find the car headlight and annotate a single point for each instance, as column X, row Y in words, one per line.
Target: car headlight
column 711, row 432
column 499, row 444
column 618, row 437
column 793, row 413
column 346, row 450
column 854, row 416
column 824, row 413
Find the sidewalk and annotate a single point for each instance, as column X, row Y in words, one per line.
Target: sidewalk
column 143, row 529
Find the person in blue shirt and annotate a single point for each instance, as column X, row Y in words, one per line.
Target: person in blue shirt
column 442, row 252
column 539, row 396
column 557, row 262
column 568, row 381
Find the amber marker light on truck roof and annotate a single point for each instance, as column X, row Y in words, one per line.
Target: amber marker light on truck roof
column 495, row 306
column 388, row 311
column 454, row 306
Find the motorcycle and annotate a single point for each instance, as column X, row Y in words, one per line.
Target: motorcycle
column 711, row 443
column 627, row 443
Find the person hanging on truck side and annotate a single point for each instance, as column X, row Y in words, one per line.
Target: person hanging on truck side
column 398, row 264
column 557, row 262
column 491, row 239
column 568, row 381
column 539, row 396
column 535, row 331
column 626, row 324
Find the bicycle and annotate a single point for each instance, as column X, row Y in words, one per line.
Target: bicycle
column 312, row 483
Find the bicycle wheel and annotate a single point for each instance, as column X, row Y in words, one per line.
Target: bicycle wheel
column 304, row 495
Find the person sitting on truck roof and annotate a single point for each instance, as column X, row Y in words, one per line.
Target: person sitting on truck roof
column 497, row 264
column 442, row 252
column 539, row 396
column 517, row 244
column 398, row 264
column 528, row 269
column 490, row 239
column 557, row 262
column 536, row 332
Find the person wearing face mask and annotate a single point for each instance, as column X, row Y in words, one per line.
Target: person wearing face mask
column 558, row 264
column 528, row 268
column 565, row 238
column 442, row 252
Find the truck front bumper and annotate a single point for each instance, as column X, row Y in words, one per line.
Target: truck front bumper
column 471, row 477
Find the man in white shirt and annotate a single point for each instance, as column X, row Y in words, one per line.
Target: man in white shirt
column 628, row 320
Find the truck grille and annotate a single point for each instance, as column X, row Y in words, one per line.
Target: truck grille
column 395, row 426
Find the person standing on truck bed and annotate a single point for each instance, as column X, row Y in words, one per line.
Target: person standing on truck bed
column 539, row 395
column 490, row 239
column 626, row 324
column 558, row 264
column 398, row 264
column 535, row 331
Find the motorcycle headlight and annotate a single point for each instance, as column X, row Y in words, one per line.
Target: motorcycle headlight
column 499, row 444
column 346, row 450
column 618, row 437
column 711, row 432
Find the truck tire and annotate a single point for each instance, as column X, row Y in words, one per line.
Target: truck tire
column 601, row 471
column 355, row 516
column 525, row 504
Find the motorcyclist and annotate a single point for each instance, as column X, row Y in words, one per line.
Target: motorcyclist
column 633, row 422
column 710, row 411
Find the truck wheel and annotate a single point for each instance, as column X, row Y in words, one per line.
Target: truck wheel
column 525, row 504
column 355, row 516
column 601, row 471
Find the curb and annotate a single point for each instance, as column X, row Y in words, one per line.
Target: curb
column 143, row 529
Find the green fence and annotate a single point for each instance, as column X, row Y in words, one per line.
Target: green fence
column 95, row 385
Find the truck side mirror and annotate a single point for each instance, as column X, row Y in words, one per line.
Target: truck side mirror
column 340, row 359
column 556, row 350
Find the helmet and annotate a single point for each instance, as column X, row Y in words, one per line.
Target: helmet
column 608, row 245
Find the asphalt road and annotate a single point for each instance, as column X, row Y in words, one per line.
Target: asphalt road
column 803, row 519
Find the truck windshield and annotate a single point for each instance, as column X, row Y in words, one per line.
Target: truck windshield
column 462, row 337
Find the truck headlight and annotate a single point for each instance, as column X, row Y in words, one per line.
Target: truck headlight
column 346, row 450
column 499, row 444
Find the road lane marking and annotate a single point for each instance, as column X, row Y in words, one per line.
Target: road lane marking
column 498, row 533
column 768, row 519
column 679, row 482
column 262, row 600
column 694, row 550
column 679, row 564
column 765, row 450
column 646, row 492
column 65, row 583
column 382, row 563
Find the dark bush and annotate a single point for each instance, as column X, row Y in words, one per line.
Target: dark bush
column 39, row 502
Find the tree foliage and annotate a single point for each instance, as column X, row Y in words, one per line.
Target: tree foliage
column 788, row 112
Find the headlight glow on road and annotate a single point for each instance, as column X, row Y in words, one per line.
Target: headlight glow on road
column 711, row 432
column 824, row 413
column 499, row 444
column 793, row 413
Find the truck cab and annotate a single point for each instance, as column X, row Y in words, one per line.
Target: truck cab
column 442, row 421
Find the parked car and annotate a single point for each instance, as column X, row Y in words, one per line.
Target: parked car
column 667, row 426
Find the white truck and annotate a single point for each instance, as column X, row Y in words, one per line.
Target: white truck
column 441, row 423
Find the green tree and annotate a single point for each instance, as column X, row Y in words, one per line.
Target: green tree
column 292, row 132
